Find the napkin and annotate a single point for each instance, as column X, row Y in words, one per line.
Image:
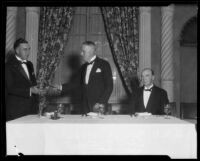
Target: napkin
column 48, row 114
column 92, row 114
column 143, row 114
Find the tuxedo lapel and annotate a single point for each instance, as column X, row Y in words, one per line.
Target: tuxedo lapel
column 21, row 70
column 31, row 72
column 142, row 99
column 17, row 66
column 93, row 71
column 151, row 97
column 83, row 73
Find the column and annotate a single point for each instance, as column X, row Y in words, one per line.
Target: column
column 11, row 27
column 32, row 29
column 167, row 70
column 145, row 38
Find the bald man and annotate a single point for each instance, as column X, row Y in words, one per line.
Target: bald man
column 149, row 97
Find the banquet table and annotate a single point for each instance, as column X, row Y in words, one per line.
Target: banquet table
column 108, row 135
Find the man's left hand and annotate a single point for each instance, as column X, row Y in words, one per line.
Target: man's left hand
column 99, row 108
column 96, row 107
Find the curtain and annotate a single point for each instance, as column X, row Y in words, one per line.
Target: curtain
column 122, row 29
column 55, row 22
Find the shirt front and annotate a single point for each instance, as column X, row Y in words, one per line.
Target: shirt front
column 88, row 70
column 146, row 95
column 24, row 66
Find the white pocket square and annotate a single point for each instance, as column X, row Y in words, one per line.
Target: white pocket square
column 98, row 70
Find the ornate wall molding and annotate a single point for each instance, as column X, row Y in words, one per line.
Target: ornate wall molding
column 145, row 38
column 32, row 29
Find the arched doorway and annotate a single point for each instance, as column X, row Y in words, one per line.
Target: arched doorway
column 188, row 72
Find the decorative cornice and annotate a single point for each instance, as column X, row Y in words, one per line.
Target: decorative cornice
column 12, row 9
column 168, row 9
column 145, row 10
column 33, row 9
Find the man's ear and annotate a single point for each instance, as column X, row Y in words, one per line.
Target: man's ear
column 17, row 50
column 153, row 77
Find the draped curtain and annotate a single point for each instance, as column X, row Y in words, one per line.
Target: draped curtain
column 122, row 29
column 55, row 22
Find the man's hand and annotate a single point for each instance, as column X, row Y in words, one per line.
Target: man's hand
column 43, row 92
column 96, row 107
column 99, row 108
column 56, row 86
column 53, row 90
column 34, row 90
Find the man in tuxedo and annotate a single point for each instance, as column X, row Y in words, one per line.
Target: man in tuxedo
column 149, row 97
column 95, row 80
column 20, row 83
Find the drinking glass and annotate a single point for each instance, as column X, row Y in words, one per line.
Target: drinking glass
column 167, row 110
column 60, row 108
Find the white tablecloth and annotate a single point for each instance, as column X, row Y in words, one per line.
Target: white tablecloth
column 113, row 135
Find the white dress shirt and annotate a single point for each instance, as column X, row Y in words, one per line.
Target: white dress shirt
column 146, row 95
column 88, row 71
column 24, row 66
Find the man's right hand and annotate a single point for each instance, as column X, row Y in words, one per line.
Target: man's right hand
column 53, row 90
column 36, row 90
column 57, row 86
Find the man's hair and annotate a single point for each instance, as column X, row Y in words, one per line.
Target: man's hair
column 18, row 42
column 89, row 43
column 152, row 72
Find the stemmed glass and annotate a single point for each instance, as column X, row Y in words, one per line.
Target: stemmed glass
column 57, row 112
column 42, row 104
column 101, row 112
column 59, row 108
column 167, row 110
column 40, row 111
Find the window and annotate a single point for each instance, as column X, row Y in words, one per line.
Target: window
column 88, row 25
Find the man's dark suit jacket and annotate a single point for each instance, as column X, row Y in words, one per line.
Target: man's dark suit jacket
column 155, row 105
column 99, row 87
column 17, row 89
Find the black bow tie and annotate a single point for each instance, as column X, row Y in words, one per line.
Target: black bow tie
column 148, row 89
column 24, row 62
column 90, row 62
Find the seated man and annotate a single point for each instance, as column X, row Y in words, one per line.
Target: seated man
column 149, row 98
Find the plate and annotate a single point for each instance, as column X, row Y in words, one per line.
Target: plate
column 143, row 114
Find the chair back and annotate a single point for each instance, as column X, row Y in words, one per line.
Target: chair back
column 188, row 110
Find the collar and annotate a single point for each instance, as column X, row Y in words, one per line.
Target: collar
column 151, row 86
column 93, row 58
column 18, row 58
